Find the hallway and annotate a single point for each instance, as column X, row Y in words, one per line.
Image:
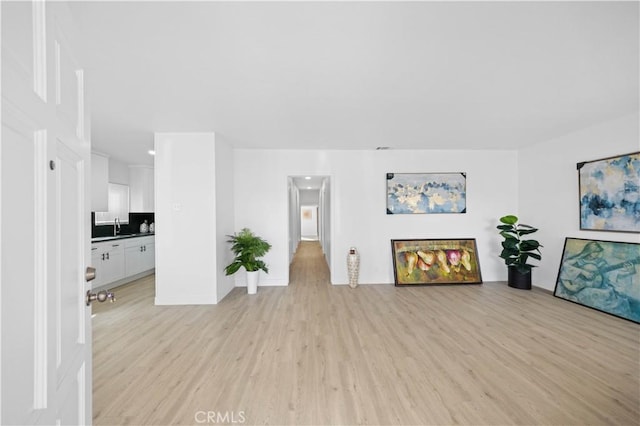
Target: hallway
column 309, row 266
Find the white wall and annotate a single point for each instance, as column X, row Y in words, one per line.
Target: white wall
column 118, row 172
column 309, row 221
column 141, row 192
column 99, row 182
column 324, row 213
column 358, row 204
column 548, row 190
column 309, row 197
column 539, row 184
column 294, row 223
column 224, row 214
column 187, row 239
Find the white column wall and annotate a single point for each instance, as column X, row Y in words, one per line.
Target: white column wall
column 548, row 190
column 186, row 239
column 224, row 215
column 358, row 204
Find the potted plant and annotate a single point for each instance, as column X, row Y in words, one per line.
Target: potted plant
column 248, row 248
column 517, row 249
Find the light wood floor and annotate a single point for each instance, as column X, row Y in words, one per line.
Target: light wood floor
column 316, row 354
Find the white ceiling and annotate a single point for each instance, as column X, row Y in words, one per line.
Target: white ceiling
column 356, row 75
column 308, row 183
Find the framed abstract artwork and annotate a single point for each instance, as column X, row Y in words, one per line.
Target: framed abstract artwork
column 433, row 262
column 422, row 193
column 602, row 275
column 610, row 194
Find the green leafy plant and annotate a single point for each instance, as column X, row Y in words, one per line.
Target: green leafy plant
column 516, row 249
column 248, row 248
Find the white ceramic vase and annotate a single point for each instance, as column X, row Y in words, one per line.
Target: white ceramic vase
column 353, row 267
column 252, row 281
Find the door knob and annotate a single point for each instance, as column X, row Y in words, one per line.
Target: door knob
column 101, row 296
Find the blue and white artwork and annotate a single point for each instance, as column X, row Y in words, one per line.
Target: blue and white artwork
column 602, row 275
column 610, row 194
column 419, row 193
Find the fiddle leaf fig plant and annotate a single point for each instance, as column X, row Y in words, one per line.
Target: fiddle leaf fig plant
column 248, row 248
column 516, row 247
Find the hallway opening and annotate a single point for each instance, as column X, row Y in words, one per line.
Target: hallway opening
column 309, row 199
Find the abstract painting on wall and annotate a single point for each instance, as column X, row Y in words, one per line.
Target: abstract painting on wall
column 419, row 193
column 429, row 262
column 610, row 194
column 602, row 275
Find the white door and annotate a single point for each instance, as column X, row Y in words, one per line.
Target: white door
column 45, row 365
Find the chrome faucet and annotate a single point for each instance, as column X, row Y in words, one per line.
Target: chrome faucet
column 116, row 226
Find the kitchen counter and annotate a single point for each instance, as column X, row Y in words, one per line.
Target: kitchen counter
column 121, row 237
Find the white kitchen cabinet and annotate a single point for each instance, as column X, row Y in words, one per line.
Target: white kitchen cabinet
column 99, row 182
column 139, row 255
column 109, row 260
column 121, row 260
column 141, row 184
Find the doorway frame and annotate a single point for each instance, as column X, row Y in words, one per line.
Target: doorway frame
column 325, row 213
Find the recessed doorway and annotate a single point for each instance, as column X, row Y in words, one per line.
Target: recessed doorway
column 309, row 212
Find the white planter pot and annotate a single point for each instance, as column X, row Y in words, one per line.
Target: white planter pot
column 252, row 281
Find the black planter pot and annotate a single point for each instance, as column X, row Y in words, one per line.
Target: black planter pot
column 519, row 280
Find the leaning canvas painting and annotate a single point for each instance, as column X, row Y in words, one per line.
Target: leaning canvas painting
column 602, row 275
column 429, row 262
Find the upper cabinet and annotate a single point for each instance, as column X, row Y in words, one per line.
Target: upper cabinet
column 141, row 187
column 99, row 182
